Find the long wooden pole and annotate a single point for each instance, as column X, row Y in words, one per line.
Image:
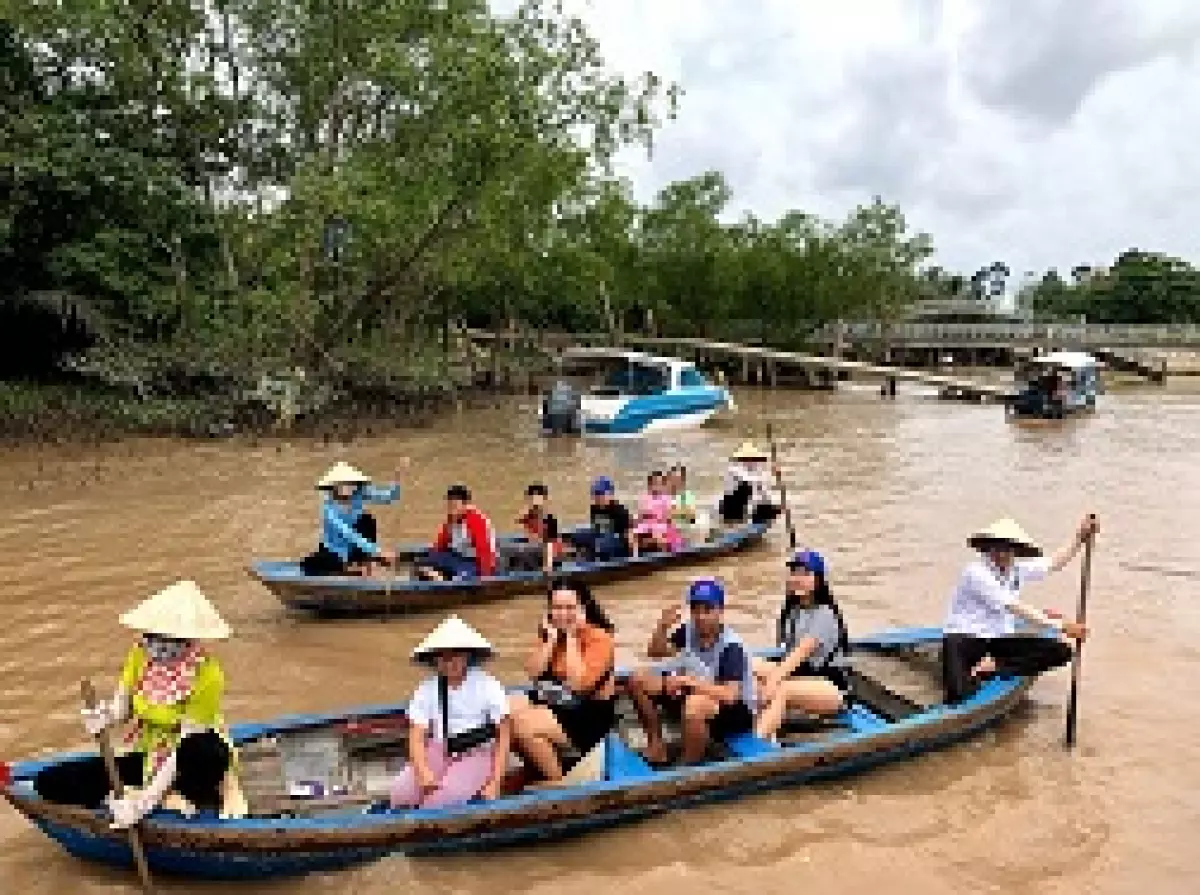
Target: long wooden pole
column 1085, row 582
column 787, row 510
column 114, row 780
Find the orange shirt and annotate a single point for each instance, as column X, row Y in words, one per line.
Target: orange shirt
column 596, row 650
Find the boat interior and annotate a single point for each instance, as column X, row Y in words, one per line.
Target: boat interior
column 346, row 765
column 616, row 375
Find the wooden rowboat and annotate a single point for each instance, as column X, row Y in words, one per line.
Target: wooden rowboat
column 896, row 713
column 355, row 595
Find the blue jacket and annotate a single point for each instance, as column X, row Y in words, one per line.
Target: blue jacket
column 337, row 523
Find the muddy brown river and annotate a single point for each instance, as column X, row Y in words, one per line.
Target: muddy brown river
column 888, row 490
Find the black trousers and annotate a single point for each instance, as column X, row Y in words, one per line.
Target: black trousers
column 203, row 760
column 324, row 561
column 735, row 507
column 1019, row 655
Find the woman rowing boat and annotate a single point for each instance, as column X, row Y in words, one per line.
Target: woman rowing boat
column 980, row 629
column 170, row 689
column 349, row 535
column 748, row 488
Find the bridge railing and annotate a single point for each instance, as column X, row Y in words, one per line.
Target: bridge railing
column 1098, row 335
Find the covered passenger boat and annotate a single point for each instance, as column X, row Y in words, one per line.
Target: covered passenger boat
column 1055, row 386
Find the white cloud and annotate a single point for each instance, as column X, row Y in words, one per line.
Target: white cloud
column 1045, row 132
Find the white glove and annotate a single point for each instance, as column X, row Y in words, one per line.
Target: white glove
column 128, row 810
column 97, row 719
column 106, row 713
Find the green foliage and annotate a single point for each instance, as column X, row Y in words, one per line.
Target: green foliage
column 174, row 166
column 1139, row 288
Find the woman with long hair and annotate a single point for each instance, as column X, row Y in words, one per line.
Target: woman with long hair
column 571, row 664
column 812, row 674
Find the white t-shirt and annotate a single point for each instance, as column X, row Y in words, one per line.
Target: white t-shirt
column 983, row 595
column 758, row 477
column 479, row 699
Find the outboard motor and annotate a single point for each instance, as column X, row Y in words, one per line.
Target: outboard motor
column 561, row 410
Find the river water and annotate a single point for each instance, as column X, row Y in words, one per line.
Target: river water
column 887, row 489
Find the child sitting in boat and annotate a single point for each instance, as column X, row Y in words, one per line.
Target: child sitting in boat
column 655, row 532
column 543, row 547
column 572, row 701
column 170, row 692
column 459, row 730
column 691, row 522
column 812, row 674
column 465, row 546
column 709, row 685
column 349, row 536
column 609, row 535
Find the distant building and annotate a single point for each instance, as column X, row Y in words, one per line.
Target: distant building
column 963, row 310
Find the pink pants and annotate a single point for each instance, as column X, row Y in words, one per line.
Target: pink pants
column 662, row 531
column 459, row 779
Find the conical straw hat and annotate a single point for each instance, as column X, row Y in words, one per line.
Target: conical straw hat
column 343, row 474
column 452, row 634
column 749, row 451
column 1006, row 531
column 180, row 611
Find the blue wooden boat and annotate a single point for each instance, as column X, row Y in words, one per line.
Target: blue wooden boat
column 895, row 714
column 353, row 595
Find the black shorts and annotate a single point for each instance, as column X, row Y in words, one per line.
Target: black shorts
column 586, row 722
column 731, row 718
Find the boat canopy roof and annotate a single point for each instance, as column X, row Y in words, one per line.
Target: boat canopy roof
column 634, row 358
column 1074, row 360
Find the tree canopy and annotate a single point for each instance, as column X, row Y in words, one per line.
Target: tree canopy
column 244, row 186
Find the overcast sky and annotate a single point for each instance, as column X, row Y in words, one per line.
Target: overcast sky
column 1039, row 132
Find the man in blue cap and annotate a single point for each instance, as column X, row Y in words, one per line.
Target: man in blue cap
column 709, row 685
column 608, row 536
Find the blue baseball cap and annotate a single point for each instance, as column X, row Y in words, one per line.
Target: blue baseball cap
column 707, row 592
column 808, row 559
column 603, row 485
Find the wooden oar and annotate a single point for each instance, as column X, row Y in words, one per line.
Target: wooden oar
column 114, row 780
column 787, row 511
column 1085, row 581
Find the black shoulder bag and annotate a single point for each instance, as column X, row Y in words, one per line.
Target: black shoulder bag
column 550, row 691
column 468, row 739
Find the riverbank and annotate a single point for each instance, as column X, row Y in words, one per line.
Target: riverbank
column 36, row 413
column 369, row 395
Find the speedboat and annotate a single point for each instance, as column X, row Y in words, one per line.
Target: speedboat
column 630, row 394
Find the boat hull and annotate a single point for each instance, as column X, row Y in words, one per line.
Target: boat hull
column 647, row 414
column 255, row 848
column 357, row 596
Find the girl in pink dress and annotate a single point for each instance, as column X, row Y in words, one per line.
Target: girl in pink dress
column 655, row 532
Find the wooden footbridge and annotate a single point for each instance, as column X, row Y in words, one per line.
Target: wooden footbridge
column 750, row 364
